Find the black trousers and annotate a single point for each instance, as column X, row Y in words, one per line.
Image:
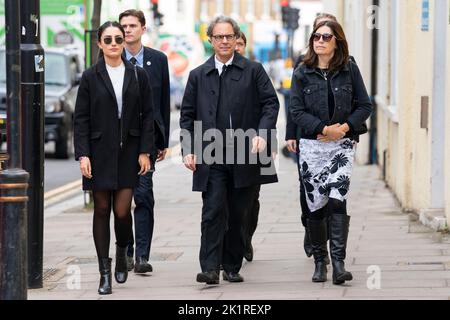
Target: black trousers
column 143, row 217
column 223, row 209
column 251, row 216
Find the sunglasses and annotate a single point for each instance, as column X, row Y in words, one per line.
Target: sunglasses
column 108, row 40
column 326, row 36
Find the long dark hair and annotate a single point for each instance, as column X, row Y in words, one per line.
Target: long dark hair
column 102, row 29
column 341, row 55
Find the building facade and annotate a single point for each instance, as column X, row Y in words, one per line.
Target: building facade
column 412, row 95
column 260, row 20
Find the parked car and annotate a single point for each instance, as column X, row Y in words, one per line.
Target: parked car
column 62, row 78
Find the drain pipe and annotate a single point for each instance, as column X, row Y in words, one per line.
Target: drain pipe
column 373, row 157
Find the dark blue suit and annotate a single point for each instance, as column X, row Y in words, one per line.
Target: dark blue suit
column 156, row 66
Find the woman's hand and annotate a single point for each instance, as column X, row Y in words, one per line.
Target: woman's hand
column 161, row 155
column 190, row 162
column 145, row 163
column 292, row 145
column 333, row 133
column 85, row 167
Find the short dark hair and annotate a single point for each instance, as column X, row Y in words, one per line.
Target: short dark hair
column 134, row 13
column 341, row 55
column 223, row 19
column 242, row 36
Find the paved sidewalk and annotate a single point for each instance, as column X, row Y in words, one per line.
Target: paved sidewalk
column 414, row 261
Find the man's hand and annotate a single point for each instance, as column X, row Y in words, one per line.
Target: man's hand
column 292, row 145
column 258, row 145
column 190, row 162
column 161, row 155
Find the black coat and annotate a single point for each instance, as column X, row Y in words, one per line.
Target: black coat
column 156, row 65
column 254, row 104
column 309, row 100
column 293, row 132
column 98, row 133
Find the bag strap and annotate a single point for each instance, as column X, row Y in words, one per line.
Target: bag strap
column 139, row 100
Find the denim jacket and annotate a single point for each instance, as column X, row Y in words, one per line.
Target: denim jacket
column 309, row 100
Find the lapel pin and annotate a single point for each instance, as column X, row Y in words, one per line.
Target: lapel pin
column 149, row 63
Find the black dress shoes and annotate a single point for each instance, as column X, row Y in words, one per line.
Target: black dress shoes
column 130, row 263
column 248, row 255
column 211, row 277
column 142, row 266
column 232, row 277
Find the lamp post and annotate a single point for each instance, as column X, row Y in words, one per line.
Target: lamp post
column 14, row 180
column 32, row 86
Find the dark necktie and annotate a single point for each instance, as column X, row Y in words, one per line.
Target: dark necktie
column 224, row 69
column 133, row 60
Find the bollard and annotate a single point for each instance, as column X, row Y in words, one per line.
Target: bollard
column 13, row 234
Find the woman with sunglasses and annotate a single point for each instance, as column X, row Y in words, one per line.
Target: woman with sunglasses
column 113, row 137
column 292, row 138
column 329, row 103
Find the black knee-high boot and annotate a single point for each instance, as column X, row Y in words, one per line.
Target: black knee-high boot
column 121, row 270
column 307, row 244
column 104, row 266
column 339, row 225
column 317, row 230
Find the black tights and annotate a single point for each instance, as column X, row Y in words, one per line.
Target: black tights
column 121, row 200
column 333, row 207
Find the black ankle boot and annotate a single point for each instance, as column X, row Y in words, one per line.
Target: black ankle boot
column 104, row 265
column 339, row 225
column 340, row 275
column 121, row 270
column 317, row 230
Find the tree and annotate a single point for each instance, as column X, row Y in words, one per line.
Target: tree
column 95, row 24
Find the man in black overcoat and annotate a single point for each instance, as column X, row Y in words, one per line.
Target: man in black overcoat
column 228, row 121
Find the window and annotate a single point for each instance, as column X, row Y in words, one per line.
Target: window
column 266, row 9
column 204, row 10
column 250, row 10
column 180, row 6
column 219, row 7
column 235, row 8
column 55, row 69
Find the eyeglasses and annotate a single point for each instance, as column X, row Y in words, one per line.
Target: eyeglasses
column 326, row 36
column 108, row 40
column 220, row 37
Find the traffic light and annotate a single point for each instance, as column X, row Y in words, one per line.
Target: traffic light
column 293, row 19
column 290, row 17
column 157, row 16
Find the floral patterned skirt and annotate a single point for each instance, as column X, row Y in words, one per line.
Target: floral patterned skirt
column 326, row 169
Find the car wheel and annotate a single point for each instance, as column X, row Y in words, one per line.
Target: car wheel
column 64, row 147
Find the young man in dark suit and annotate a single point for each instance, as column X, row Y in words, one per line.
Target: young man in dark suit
column 156, row 66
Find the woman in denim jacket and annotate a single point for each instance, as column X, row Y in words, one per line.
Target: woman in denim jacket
column 330, row 104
